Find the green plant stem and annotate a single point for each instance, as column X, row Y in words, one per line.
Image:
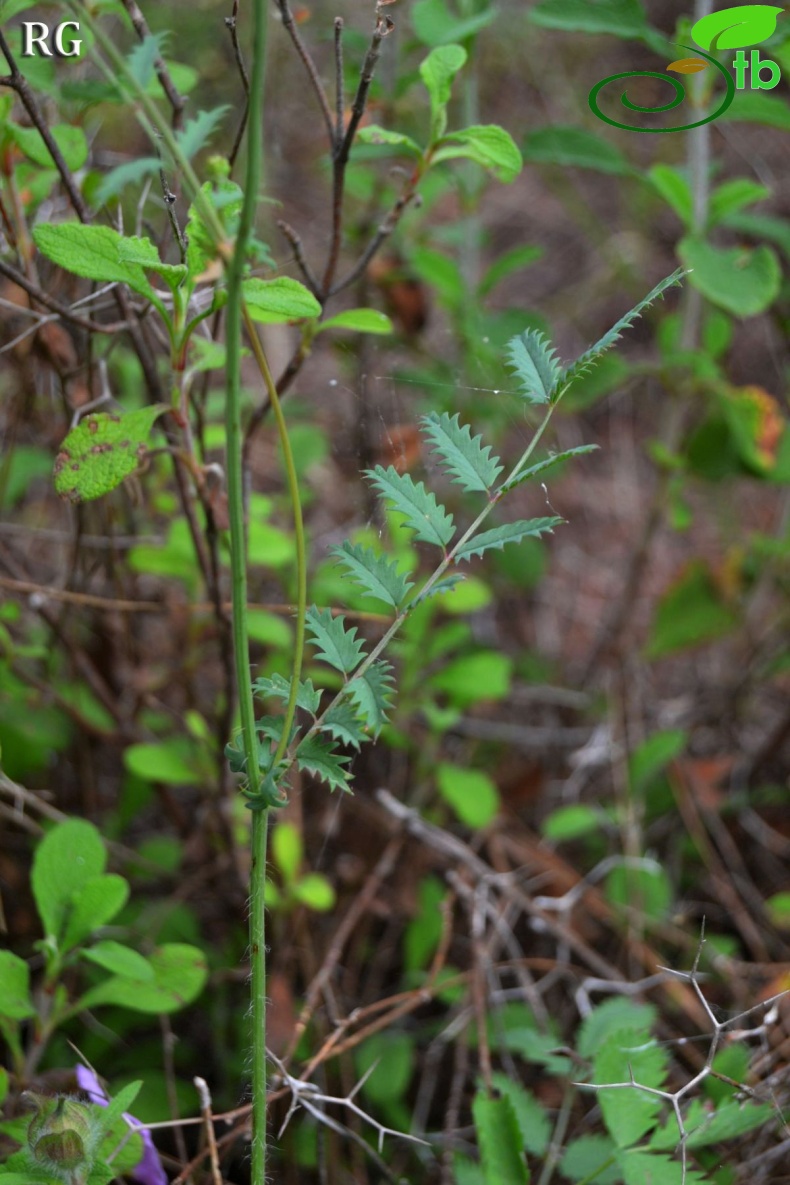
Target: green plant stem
column 301, row 554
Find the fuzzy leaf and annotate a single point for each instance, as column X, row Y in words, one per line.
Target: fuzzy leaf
column 422, row 512
column 615, row 333
column 488, row 145
column 344, row 725
column 91, row 252
column 308, row 698
column 198, row 130
column 317, row 757
column 546, row 463
column 101, row 451
column 499, row 1138
column 509, row 533
column 377, row 575
column 276, row 301
column 336, row 645
column 467, row 460
column 372, row 693
column 535, row 364
column 143, row 251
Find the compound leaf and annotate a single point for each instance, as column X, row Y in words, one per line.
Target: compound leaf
column 337, row 645
column 537, row 369
column 467, row 460
column 198, row 130
column 422, row 512
column 509, row 533
column 377, row 575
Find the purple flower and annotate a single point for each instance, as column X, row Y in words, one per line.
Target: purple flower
column 149, row 1171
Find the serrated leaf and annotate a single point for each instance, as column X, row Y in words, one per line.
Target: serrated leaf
column 91, row 252
column 444, row 584
column 488, row 145
column 336, row 645
column 537, row 369
column 359, row 321
column 142, row 58
column 372, row 694
column 437, row 72
column 546, row 463
column 509, row 533
column 531, row 1117
column 626, row 1055
column 499, row 1139
column 226, row 197
column 130, row 173
column 373, row 134
column 101, row 451
column 615, row 333
column 639, row 1166
column 376, row 574
column 316, row 756
column 422, row 512
column 307, row 697
column 197, row 131
column 467, row 460
column 344, row 725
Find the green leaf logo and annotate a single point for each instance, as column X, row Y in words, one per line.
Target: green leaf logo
column 733, row 28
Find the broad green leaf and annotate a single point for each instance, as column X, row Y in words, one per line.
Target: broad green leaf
column 314, row 891
column 307, row 698
column 732, row 196
column 316, row 756
column 512, row 261
column 377, row 575
column 119, row 959
column 359, row 321
column 373, row 134
column 547, row 463
column 15, row 1002
column 393, row 1055
column 143, row 251
column 474, row 678
column 226, row 197
column 160, row 761
column 571, row 822
column 490, row 146
column 198, row 131
column 422, row 513
column 755, row 107
column 437, row 72
column 653, row 755
column 179, row 973
column 629, row 1055
column 335, row 644
column 622, row 18
column 12, row 8
column 577, row 148
column 640, row 1166
column 499, row 1140
column 537, row 369
column 733, row 28
column 470, row 792
column 69, row 855
column 674, row 189
column 690, row 613
column 741, row 280
column 442, row 273
column 70, row 140
column 120, row 1102
column 101, row 451
column 93, row 904
column 91, row 252
column 591, row 1159
column 534, row 1124
column 647, row 889
column 287, row 850
column 612, row 1015
column 276, row 301
column 466, row 459
column 729, row 1120
column 509, row 533
column 343, row 724
column 435, row 24
column 372, row 694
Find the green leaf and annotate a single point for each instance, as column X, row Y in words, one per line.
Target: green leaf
column 101, row 451
column 336, row 645
column 307, row 698
column 467, row 460
column 509, row 533
column 499, row 1140
column 615, row 333
column 226, row 197
column 623, row 18
column 576, row 148
column 160, row 761
column 91, row 252
column 690, row 613
column 570, row 822
column 69, row 855
column 732, row 196
column 142, row 58
column 475, row 678
column 639, row 1166
column 611, row 1016
column 287, row 850
column 741, row 280
column 119, row 959
column 133, row 172
column 373, row 134
column 15, row 1002
column 591, row 1159
column 143, row 251
column 734, row 28
column 674, row 189
column 377, row 575
column 359, row 321
column 512, row 261
column 647, row 889
column 629, row 1054
column 70, row 140
column 316, row 756
column 344, row 725
column 178, row 975
column 423, row 514
column 488, row 145
column 372, row 694
column 95, row 903
column 533, row 1122
column 277, row 301
column 445, row 584
column 537, row 370
column 437, row 72
column 754, row 107
column 729, row 1120
column 546, row 463
column 315, row 891
column 434, row 24
column 653, row 755
column 470, row 792
column 197, row 131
